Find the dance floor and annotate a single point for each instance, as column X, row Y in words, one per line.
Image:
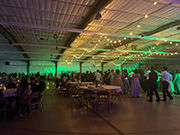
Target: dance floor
column 135, row 116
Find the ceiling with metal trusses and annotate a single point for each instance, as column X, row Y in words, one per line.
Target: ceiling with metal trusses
column 123, row 31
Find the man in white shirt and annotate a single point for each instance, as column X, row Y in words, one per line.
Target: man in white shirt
column 147, row 80
column 98, row 77
column 166, row 78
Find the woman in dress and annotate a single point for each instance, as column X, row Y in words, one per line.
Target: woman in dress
column 24, row 96
column 117, row 80
column 126, row 85
column 111, row 76
column 135, row 86
column 177, row 83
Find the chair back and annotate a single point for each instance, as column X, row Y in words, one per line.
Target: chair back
column 2, row 103
column 88, row 93
column 34, row 97
column 103, row 96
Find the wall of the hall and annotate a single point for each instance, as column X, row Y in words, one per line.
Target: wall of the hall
column 91, row 67
column 64, row 67
column 12, row 66
column 115, row 66
column 42, row 67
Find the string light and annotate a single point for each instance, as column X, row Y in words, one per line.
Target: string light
column 146, row 16
column 139, row 26
column 155, row 3
column 131, row 33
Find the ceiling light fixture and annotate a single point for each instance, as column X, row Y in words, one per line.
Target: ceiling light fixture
column 55, row 36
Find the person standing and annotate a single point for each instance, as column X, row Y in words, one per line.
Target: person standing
column 153, row 85
column 177, row 83
column 111, row 76
column 126, row 85
column 98, row 77
column 141, row 79
column 117, row 80
column 147, row 80
column 135, row 86
column 166, row 78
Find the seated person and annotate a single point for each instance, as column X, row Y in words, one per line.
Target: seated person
column 11, row 84
column 41, row 86
column 33, row 85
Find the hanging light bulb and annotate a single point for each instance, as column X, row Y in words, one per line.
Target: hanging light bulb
column 107, row 39
column 124, row 38
column 146, row 16
column 119, row 40
column 115, row 41
column 139, row 26
column 171, row 43
column 177, row 44
column 157, row 44
column 111, row 41
column 155, row 3
column 131, row 33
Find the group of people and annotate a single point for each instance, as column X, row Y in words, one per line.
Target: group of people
column 149, row 82
column 24, row 91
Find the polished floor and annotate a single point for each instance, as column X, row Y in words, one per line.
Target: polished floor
column 135, row 116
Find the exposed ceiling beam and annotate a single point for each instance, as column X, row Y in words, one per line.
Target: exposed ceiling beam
column 96, row 8
column 11, row 40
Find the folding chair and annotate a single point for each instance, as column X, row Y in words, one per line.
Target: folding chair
column 102, row 100
column 34, row 102
column 3, row 106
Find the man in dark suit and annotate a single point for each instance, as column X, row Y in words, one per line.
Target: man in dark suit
column 153, row 85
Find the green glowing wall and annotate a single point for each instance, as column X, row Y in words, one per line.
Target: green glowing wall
column 13, row 66
column 90, row 67
column 64, row 67
column 42, row 67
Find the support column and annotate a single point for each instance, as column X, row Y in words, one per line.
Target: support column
column 55, row 68
column 28, row 65
column 122, row 67
column 80, row 66
column 102, row 66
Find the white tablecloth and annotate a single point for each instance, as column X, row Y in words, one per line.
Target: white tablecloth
column 109, row 88
column 106, row 87
column 12, row 92
column 87, row 83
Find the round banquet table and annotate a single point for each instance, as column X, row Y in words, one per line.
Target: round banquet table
column 12, row 92
column 109, row 88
